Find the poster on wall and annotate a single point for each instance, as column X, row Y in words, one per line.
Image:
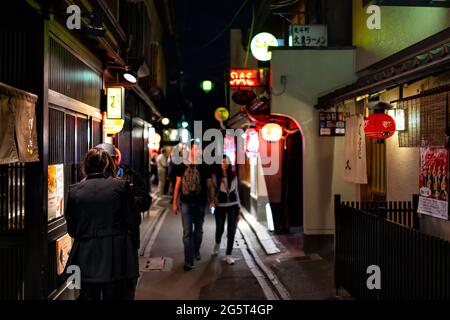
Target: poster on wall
column 55, row 191
column 433, row 182
column 331, row 124
column 63, row 246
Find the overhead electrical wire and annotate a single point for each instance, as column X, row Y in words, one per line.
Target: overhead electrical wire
column 282, row 4
column 250, row 37
column 227, row 27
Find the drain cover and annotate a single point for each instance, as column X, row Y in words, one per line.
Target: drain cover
column 155, row 264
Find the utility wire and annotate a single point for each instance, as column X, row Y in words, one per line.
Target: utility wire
column 225, row 29
column 250, row 37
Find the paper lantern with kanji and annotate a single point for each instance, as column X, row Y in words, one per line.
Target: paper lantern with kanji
column 379, row 126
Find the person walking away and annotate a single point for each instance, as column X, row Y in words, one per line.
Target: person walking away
column 161, row 162
column 102, row 218
column 227, row 204
column 153, row 170
column 139, row 188
column 193, row 186
column 175, row 155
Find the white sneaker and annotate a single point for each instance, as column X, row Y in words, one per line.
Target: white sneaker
column 216, row 249
column 229, row 259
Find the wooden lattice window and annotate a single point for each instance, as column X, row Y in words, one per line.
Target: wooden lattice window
column 425, row 121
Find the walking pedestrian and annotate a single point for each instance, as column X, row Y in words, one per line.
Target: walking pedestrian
column 193, row 186
column 102, row 218
column 161, row 162
column 227, row 205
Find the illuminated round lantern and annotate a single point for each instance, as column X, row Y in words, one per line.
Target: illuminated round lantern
column 260, row 44
column 272, row 132
column 251, row 143
column 379, row 126
column 221, row 114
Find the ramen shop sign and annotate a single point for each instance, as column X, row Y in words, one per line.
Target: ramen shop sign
column 244, row 78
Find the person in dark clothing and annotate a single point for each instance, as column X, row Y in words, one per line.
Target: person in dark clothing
column 102, row 218
column 193, row 185
column 139, row 188
column 227, row 204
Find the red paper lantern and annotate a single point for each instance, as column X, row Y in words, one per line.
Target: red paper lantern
column 243, row 97
column 379, row 126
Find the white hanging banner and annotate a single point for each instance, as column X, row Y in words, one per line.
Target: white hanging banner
column 355, row 164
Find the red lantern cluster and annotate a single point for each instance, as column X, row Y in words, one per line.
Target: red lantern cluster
column 379, row 126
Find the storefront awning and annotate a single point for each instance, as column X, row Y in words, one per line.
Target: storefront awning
column 428, row 57
column 18, row 135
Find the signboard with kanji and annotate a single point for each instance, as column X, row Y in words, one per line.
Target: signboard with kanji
column 308, row 35
column 244, row 78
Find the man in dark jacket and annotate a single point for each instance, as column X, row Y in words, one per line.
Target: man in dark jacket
column 141, row 195
column 102, row 218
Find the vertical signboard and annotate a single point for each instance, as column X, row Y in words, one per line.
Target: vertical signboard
column 115, row 103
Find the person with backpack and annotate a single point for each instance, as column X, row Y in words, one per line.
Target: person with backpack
column 193, row 187
column 227, row 204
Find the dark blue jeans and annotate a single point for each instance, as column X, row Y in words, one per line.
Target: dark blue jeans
column 221, row 214
column 193, row 216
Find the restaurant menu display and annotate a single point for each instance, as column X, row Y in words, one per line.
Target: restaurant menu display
column 433, row 182
column 331, row 124
column 63, row 247
column 55, row 191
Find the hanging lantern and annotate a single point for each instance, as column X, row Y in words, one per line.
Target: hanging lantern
column 243, row 97
column 272, row 132
column 379, row 126
column 251, row 143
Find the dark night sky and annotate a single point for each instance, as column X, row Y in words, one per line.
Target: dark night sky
column 198, row 22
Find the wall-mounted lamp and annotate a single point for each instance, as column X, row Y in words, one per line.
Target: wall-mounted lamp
column 126, row 72
column 130, row 76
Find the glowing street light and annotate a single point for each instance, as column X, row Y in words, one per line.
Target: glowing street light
column 207, row 86
column 184, row 124
column 165, row 121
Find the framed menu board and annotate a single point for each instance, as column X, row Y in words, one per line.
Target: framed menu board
column 331, row 124
column 55, row 191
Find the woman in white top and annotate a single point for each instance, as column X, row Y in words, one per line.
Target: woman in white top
column 227, row 205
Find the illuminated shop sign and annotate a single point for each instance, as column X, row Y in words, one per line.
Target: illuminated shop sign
column 244, row 78
column 115, row 102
